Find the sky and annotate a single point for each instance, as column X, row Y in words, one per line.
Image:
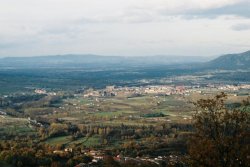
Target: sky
column 124, row 27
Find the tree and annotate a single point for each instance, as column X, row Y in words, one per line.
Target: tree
column 221, row 136
column 109, row 161
column 57, row 129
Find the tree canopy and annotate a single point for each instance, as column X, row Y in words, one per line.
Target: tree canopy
column 222, row 135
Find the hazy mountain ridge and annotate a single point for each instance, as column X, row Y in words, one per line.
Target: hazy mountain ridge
column 89, row 60
column 227, row 62
column 231, row 61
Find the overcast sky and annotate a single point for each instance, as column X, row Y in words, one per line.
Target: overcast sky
column 124, row 27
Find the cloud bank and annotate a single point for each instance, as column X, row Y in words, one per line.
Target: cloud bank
column 124, row 27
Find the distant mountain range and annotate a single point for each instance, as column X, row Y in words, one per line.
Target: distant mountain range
column 94, row 61
column 229, row 61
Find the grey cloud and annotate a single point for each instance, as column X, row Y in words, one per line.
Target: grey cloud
column 143, row 15
column 137, row 15
column 129, row 15
column 239, row 9
column 241, row 27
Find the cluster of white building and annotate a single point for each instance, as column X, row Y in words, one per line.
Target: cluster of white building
column 127, row 91
column 43, row 91
column 234, row 87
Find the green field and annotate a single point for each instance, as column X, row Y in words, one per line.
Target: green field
column 66, row 140
column 58, row 140
column 16, row 127
column 110, row 112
